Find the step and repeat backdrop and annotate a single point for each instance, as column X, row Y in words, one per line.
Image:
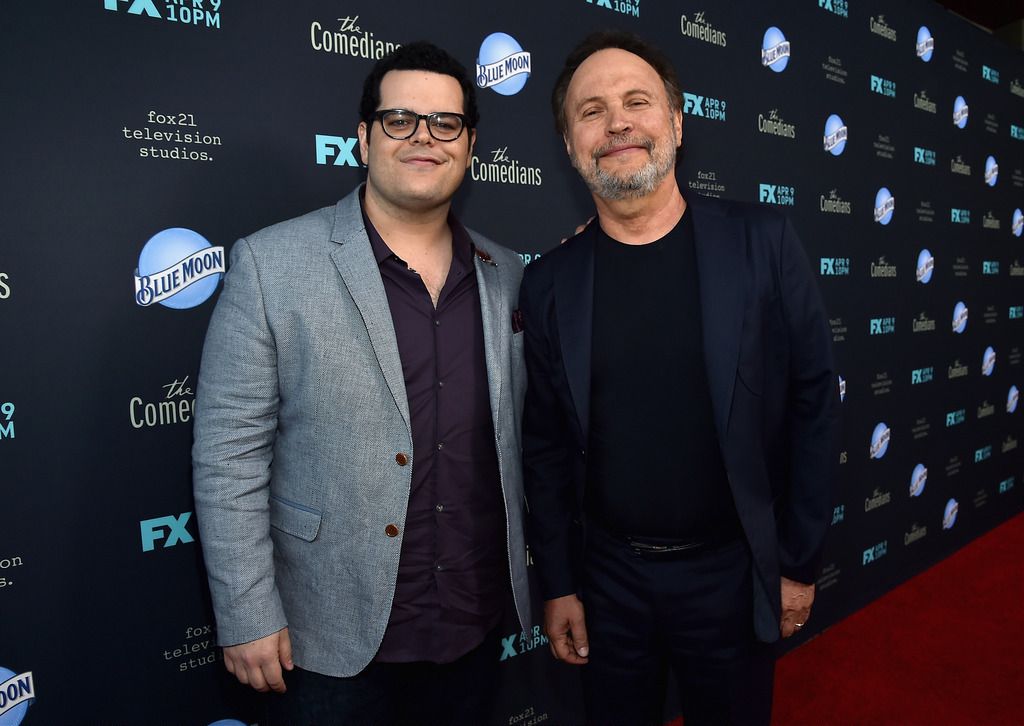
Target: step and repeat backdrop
column 143, row 135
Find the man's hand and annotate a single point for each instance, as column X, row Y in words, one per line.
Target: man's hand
column 566, row 630
column 259, row 663
column 797, row 599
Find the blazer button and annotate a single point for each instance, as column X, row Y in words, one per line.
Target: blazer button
column 402, row 460
column 391, row 530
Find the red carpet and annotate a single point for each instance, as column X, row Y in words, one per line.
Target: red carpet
column 946, row 647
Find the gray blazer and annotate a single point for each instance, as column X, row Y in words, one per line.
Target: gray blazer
column 301, row 415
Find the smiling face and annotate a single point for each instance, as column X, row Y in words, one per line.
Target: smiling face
column 622, row 133
column 419, row 173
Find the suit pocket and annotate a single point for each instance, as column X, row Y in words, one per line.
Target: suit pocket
column 294, row 519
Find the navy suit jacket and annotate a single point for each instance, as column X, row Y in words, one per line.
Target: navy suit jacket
column 768, row 352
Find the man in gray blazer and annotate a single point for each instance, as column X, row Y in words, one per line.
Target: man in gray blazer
column 357, row 450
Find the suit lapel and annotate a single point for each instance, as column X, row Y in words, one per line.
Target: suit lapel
column 720, row 261
column 496, row 323
column 574, row 303
column 354, row 259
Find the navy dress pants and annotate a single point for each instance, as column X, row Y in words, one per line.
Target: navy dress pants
column 385, row 694
column 691, row 614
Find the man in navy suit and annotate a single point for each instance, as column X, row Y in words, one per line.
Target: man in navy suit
column 680, row 421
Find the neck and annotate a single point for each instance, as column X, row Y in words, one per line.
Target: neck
column 408, row 232
column 641, row 220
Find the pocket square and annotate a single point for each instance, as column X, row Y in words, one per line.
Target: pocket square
column 517, row 321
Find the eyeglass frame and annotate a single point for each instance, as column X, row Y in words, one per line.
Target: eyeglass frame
column 379, row 116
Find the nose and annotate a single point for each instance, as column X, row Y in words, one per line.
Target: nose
column 421, row 135
column 618, row 121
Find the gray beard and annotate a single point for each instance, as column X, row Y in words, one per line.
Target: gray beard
column 640, row 183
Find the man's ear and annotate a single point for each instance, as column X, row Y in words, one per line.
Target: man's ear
column 363, row 132
column 472, row 143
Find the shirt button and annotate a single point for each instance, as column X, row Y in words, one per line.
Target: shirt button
column 440, row 445
column 440, row 384
column 439, row 567
column 437, row 322
column 439, row 507
column 401, row 458
column 391, row 530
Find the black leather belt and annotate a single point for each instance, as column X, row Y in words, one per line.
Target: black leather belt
column 657, row 548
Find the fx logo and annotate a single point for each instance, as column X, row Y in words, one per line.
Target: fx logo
column 508, row 645
column 768, row 193
column 339, row 147
column 693, row 104
column 602, row 3
column 153, row 529
column 137, row 7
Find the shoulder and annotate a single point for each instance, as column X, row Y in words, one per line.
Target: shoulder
column 754, row 215
column 570, row 253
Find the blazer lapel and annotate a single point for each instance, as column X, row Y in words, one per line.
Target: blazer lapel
column 354, row 259
column 574, row 304
column 497, row 321
column 720, row 258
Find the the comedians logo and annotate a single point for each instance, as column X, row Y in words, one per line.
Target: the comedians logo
column 775, row 125
column 885, row 205
column 1016, row 88
column 924, row 156
column 882, row 268
column 883, row 86
column 991, row 221
column 988, row 361
column 916, row 532
column 991, row 171
column 878, row 26
column 877, row 499
column 923, row 324
column 923, row 103
column 957, row 165
column 925, row 43
column 205, row 13
column 957, row 370
column 959, row 317
column 502, row 65
column 835, row 135
column 986, row 409
column 879, row 441
column 348, row 39
column 925, row 266
column 177, row 406
column 775, row 50
column 502, row 169
column 178, row 268
column 834, row 204
column 960, row 112
column 17, row 692
column 700, row 29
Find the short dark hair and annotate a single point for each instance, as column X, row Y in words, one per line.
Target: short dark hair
column 622, row 40
column 419, row 56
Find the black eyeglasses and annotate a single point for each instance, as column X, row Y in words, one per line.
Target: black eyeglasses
column 400, row 124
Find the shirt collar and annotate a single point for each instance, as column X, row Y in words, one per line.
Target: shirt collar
column 462, row 244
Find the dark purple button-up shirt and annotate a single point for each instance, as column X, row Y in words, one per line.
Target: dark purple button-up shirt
column 453, row 573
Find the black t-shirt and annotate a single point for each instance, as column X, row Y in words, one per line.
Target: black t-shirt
column 654, row 466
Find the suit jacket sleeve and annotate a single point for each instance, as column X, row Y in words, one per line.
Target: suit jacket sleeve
column 235, row 428
column 805, row 512
column 548, row 445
